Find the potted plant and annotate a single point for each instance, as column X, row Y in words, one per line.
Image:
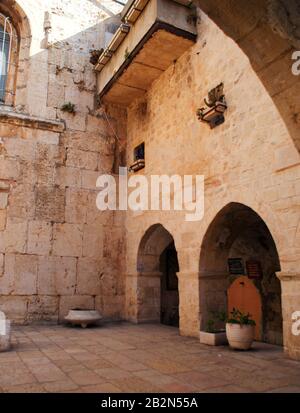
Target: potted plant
column 240, row 330
column 213, row 334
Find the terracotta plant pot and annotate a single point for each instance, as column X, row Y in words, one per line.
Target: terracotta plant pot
column 240, row 336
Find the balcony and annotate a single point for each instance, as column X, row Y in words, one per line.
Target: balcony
column 153, row 34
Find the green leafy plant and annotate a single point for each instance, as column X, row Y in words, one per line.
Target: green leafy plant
column 211, row 323
column 238, row 317
column 68, row 107
column 210, row 326
column 126, row 54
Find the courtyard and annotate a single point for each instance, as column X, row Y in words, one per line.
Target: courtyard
column 122, row 357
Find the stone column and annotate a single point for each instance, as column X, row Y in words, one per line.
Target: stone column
column 188, row 286
column 148, row 297
column 143, row 297
column 213, row 287
column 131, row 297
column 290, row 296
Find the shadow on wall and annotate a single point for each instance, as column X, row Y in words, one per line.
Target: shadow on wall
column 53, row 234
column 238, row 233
column 268, row 32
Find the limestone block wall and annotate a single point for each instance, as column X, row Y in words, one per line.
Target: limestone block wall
column 57, row 251
column 250, row 159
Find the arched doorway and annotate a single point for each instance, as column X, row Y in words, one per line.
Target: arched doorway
column 157, row 266
column 239, row 261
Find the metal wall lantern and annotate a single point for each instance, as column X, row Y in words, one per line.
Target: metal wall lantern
column 216, row 105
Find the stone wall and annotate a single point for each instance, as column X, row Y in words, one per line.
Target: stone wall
column 250, row 159
column 57, row 251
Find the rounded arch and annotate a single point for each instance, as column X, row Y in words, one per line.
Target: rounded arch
column 16, row 13
column 157, row 268
column 268, row 33
column 223, row 231
column 237, row 240
column 18, row 49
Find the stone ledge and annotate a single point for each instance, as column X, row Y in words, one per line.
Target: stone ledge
column 288, row 276
column 24, row 120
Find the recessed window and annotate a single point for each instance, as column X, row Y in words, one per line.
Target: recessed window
column 139, row 152
column 8, row 60
column 138, row 158
column 5, row 45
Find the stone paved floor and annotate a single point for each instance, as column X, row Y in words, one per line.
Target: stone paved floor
column 123, row 357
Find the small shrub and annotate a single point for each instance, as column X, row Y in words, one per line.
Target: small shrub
column 68, row 107
column 238, row 317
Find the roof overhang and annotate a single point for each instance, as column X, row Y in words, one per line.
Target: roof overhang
column 143, row 49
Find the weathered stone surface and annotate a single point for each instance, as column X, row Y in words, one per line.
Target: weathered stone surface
column 21, row 202
column 43, row 307
column 56, row 275
column 93, row 241
column 50, row 204
column 9, row 168
column 74, row 122
column 48, row 137
column 2, row 219
column 89, row 179
column 3, row 200
column 76, row 205
column 111, row 306
column 94, row 215
column 82, row 159
column 48, row 157
column 67, row 240
column 39, row 237
column 14, row 237
column 105, row 164
column 44, row 206
column 20, row 148
column 89, row 276
column 66, row 303
column 20, row 275
column 68, row 177
column 1, row 264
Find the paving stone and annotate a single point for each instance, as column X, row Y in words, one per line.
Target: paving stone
column 85, row 376
column 101, row 388
column 25, row 388
column 60, row 386
column 105, row 360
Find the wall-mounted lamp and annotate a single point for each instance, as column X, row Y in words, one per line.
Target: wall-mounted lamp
column 213, row 114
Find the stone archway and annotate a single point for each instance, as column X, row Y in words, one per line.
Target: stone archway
column 20, row 52
column 238, row 244
column 157, row 284
column 268, row 32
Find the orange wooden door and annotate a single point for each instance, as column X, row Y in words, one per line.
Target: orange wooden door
column 244, row 296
